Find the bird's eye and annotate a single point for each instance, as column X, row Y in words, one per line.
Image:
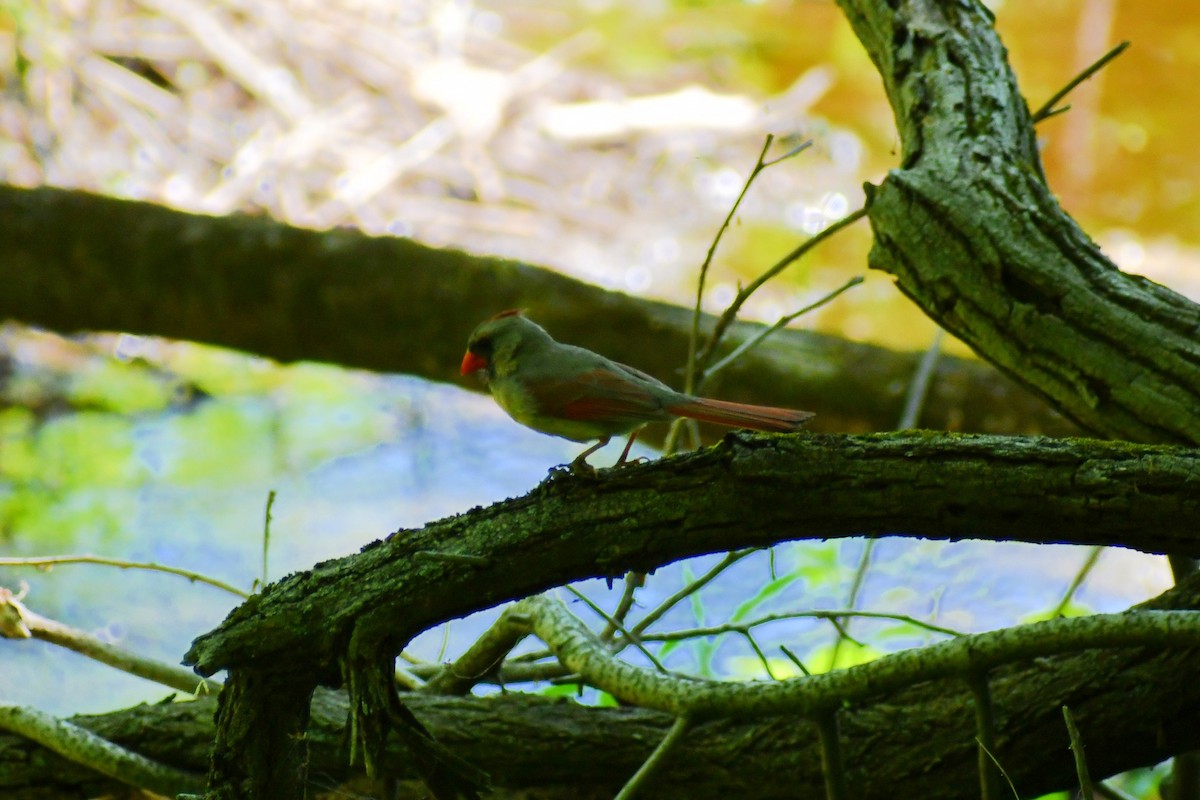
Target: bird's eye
column 481, row 346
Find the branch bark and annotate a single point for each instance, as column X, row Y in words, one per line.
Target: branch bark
column 71, row 261
column 913, row 743
column 747, row 491
column 973, row 234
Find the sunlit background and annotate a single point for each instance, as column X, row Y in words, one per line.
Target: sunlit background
column 606, row 140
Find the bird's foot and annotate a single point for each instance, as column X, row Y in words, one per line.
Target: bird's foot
column 580, row 468
column 629, row 462
column 577, row 468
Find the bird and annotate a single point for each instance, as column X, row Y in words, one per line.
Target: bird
column 568, row 391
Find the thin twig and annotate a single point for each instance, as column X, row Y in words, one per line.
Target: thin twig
column 985, row 732
column 629, row 637
column 762, row 657
column 47, row 562
column 22, row 623
column 633, row 582
column 843, row 633
column 918, row 388
column 691, row 588
column 689, row 381
column 1081, row 767
column 832, row 767
column 1048, row 110
column 267, row 534
column 639, row 779
column 860, row 578
column 795, row 659
column 1088, row 563
column 1000, row 767
column 730, row 313
column 783, row 321
column 742, row 627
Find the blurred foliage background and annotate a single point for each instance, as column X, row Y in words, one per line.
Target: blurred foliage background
column 603, row 139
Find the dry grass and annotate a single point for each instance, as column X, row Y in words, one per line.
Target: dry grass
column 421, row 118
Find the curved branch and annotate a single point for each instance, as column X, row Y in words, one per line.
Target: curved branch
column 813, row 695
column 912, row 743
column 973, row 234
column 747, row 491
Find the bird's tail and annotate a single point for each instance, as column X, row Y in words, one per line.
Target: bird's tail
column 741, row 415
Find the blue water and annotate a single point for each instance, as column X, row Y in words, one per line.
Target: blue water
column 438, row 451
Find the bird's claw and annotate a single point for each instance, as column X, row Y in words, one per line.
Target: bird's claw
column 580, row 468
column 577, row 468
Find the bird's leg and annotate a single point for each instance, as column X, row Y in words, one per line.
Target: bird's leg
column 629, row 444
column 580, row 466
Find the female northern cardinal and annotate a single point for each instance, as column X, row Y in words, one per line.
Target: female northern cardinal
column 579, row 395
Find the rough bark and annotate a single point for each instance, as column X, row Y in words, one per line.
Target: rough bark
column 914, row 743
column 723, row 498
column 367, row 606
column 71, row 261
column 974, row 235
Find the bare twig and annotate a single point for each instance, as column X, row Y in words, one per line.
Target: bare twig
column 758, row 338
column 22, row 623
column 1016, row 795
column 1084, row 570
column 629, row 637
column 1081, row 767
column 691, row 588
column 795, row 660
column 640, row 778
column 985, row 733
column 267, row 534
column 84, row 747
column 832, row 767
column 860, row 578
column 730, row 313
column 48, row 562
column 633, row 582
column 918, row 388
column 1049, row 110
column 689, row 382
column 743, row 627
column 762, row 657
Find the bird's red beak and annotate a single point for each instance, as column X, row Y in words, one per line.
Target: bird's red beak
column 473, row 363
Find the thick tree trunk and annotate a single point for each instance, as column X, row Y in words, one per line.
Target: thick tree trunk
column 71, row 261
column 914, row 743
column 974, row 235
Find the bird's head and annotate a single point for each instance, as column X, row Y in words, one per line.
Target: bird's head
column 496, row 343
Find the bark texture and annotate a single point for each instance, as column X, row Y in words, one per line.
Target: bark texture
column 974, row 235
column 723, row 498
column 71, row 261
column 913, row 743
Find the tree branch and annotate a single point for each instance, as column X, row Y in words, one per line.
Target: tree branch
column 1014, row 276
column 748, row 491
column 71, row 261
column 913, row 743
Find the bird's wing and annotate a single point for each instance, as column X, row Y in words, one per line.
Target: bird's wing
column 601, row 394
